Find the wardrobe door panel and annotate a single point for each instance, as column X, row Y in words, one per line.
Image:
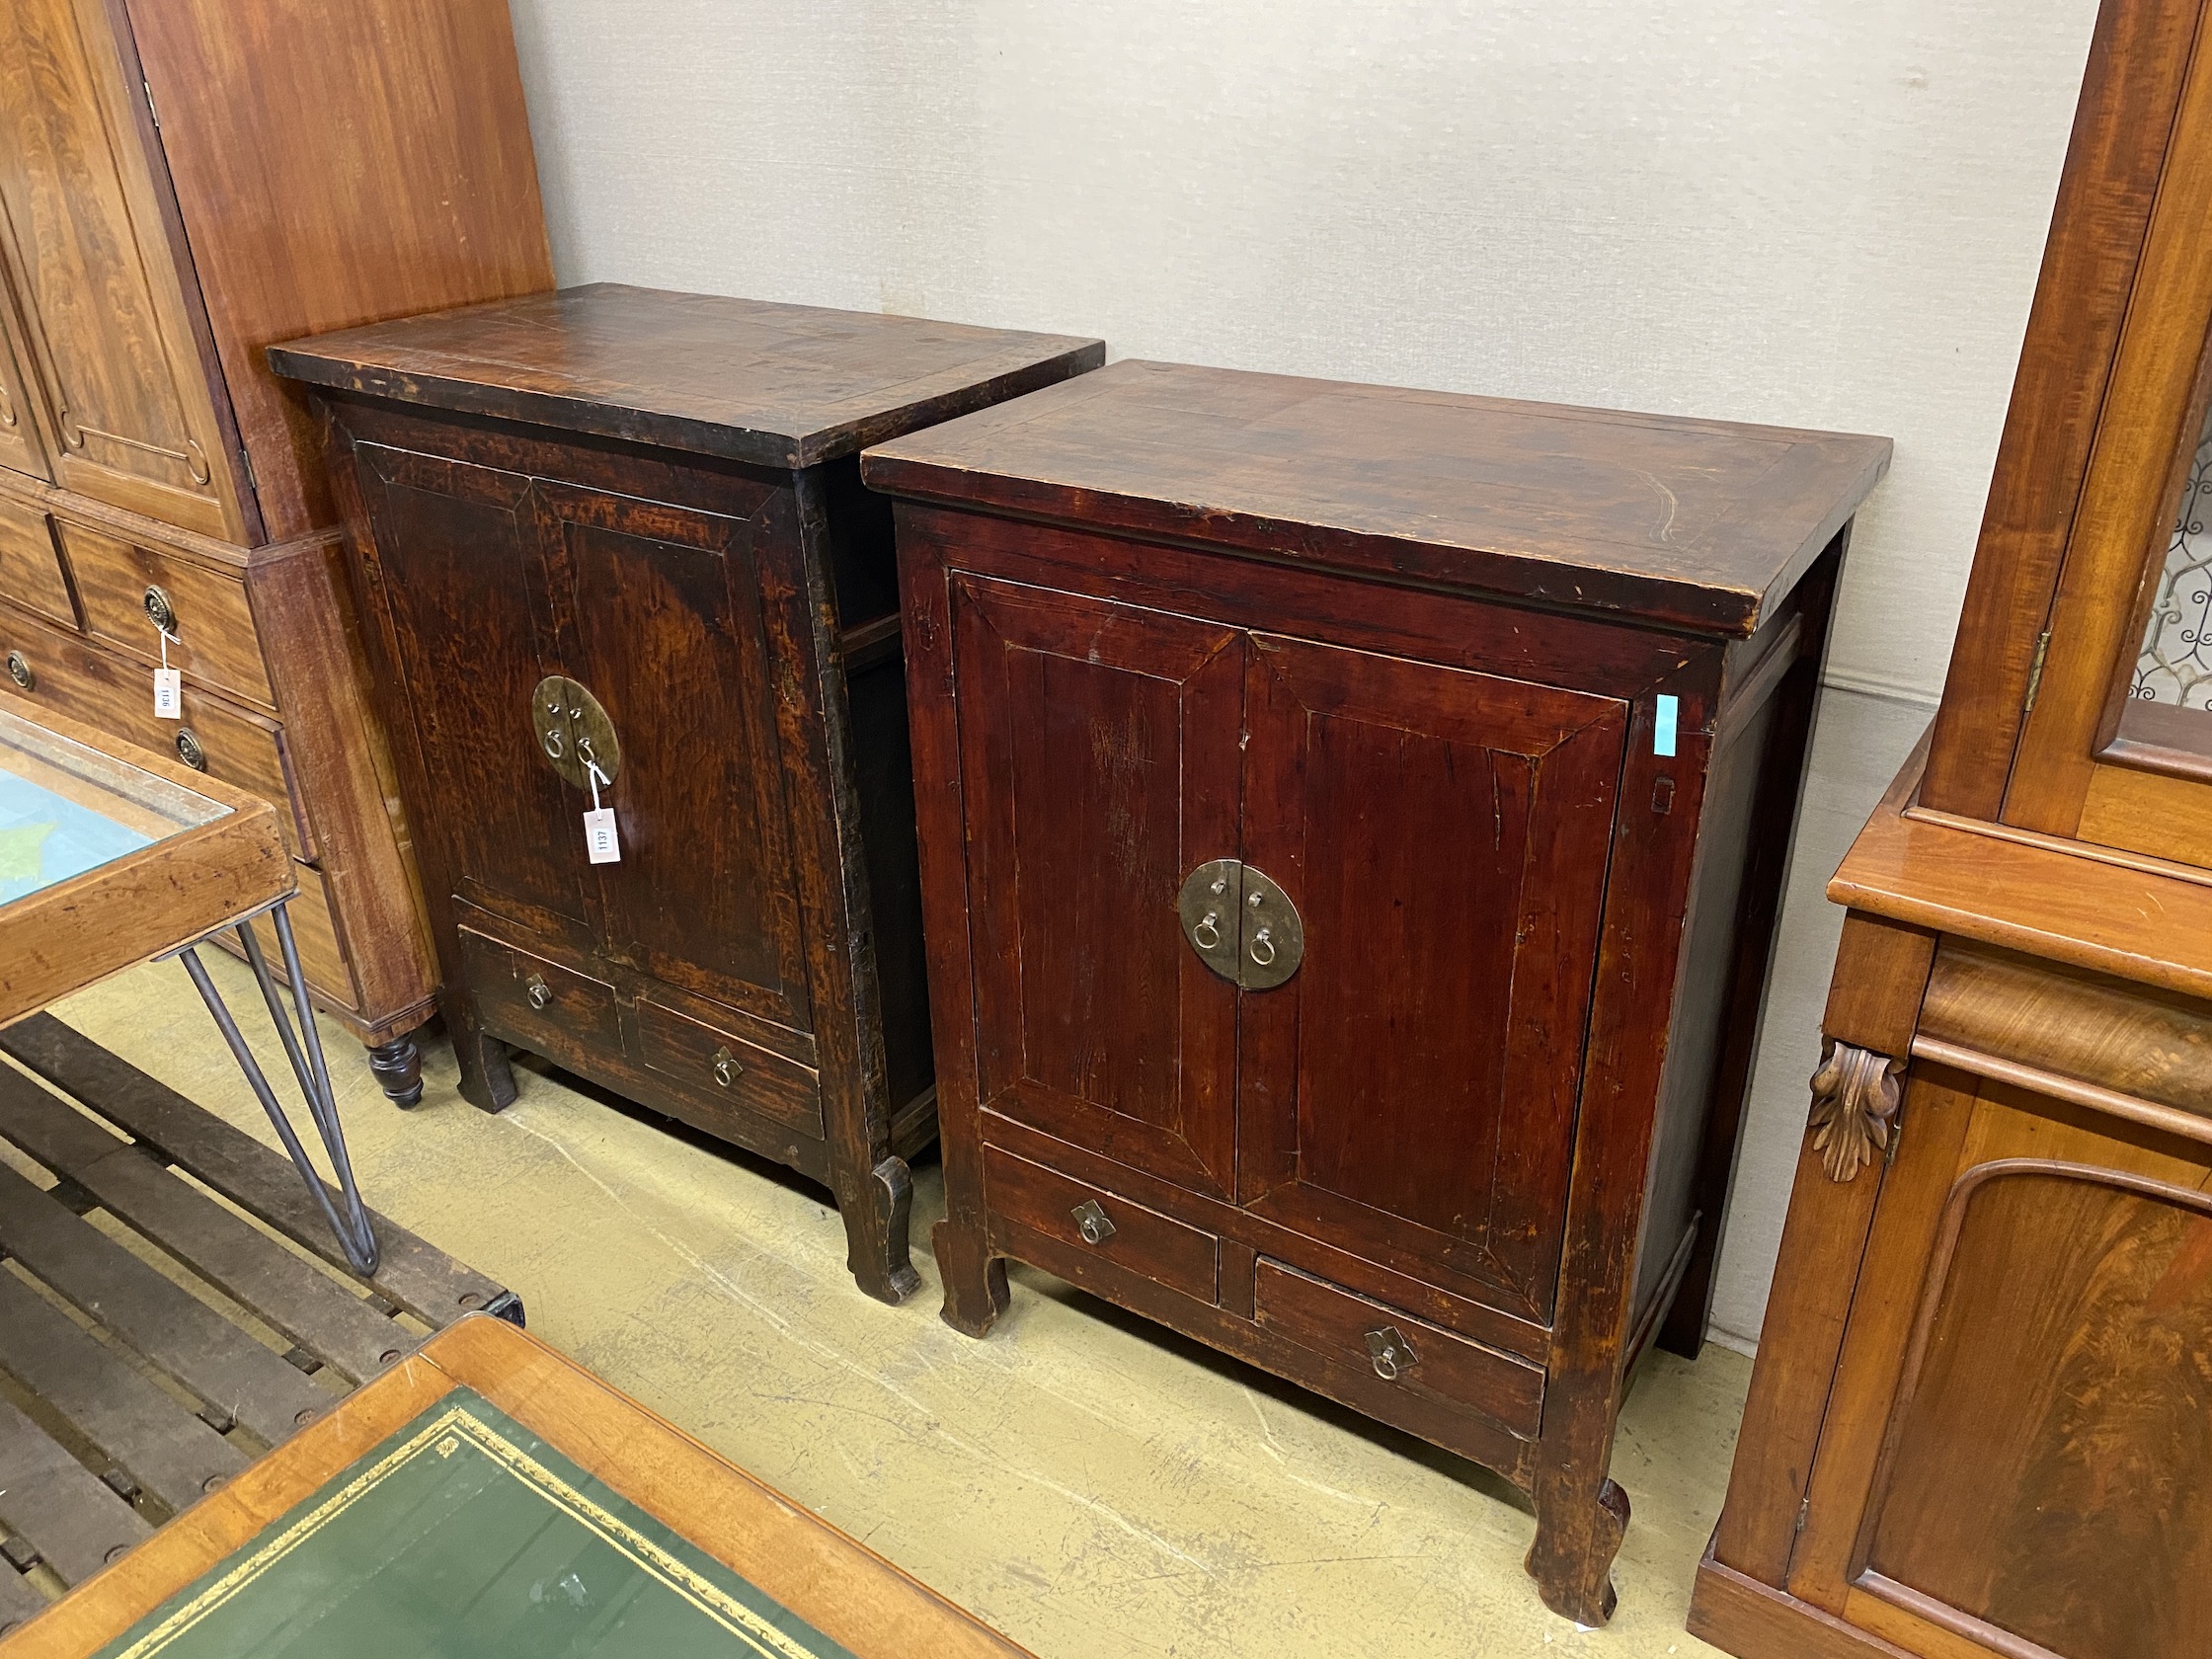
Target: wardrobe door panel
column 1098, row 747
column 1443, row 838
column 103, row 309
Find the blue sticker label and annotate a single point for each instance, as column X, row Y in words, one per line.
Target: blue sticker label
column 1662, row 725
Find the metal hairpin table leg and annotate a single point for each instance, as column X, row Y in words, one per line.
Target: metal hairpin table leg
column 305, row 1052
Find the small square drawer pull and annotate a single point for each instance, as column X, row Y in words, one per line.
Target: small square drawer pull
column 727, row 1071
column 540, row 993
column 1092, row 1223
column 1392, row 1354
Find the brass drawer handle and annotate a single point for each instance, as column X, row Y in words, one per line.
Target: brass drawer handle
column 540, row 993
column 1092, row 1221
column 189, row 749
column 19, row 670
column 1390, row 1353
column 727, row 1071
column 160, row 611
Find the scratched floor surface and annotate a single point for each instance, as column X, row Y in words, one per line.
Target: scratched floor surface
column 1087, row 1483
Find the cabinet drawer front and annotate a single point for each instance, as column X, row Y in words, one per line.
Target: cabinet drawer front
column 1420, row 1358
column 215, row 644
column 30, row 567
column 724, row 1070
column 1129, row 1235
column 73, row 676
column 549, row 1009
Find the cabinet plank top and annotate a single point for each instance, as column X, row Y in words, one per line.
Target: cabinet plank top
column 1702, row 525
column 774, row 385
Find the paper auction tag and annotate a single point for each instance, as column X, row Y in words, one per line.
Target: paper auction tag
column 598, row 837
column 169, row 694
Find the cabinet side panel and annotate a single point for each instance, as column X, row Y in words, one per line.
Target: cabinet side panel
column 416, row 106
column 883, row 775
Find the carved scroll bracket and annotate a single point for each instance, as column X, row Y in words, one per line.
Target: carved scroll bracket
column 1855, row 1097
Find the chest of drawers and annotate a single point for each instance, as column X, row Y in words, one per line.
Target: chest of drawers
column 613, row 552
column 1352, row 826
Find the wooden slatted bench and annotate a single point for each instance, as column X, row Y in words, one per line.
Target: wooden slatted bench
column 137, row 1377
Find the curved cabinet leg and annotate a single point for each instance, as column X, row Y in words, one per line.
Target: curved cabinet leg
column 487, row 1081
column 974, row 1279
column 1578, row 1533
column 397, row 1066
column 876, row 1234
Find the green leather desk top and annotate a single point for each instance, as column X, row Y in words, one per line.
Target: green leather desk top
column 464, row 1535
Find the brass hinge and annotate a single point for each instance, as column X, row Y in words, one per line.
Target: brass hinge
column 246, row 461
column 147, row 88
column 1804, row 1512
column 2036, row 670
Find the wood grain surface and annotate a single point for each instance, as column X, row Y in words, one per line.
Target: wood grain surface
column 1701, row 523
column 776, row 386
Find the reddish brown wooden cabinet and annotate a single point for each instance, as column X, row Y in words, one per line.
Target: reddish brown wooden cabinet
column 622, row 529
column 1352, row 822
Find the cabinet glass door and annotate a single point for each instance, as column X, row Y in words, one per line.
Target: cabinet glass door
column 2115, row 749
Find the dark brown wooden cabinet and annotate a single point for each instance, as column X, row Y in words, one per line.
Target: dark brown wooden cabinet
column 1351, row 825
column 633, row 520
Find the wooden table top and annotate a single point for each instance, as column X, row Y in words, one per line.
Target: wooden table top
column 1702, row 525
column 775, row 385
column 601, row 1529
column 110, row 855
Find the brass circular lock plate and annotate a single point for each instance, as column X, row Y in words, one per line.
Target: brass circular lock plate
column 19, row 670
column 1208, row 908
column 573, row 732
column 1242, row 925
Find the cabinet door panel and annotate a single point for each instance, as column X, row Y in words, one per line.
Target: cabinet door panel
column 130, row 402
column 1444, row 836
column 457, row 561
column 21, row 450
column 2049, row 1470
column 1098, row 753
column 665, row 608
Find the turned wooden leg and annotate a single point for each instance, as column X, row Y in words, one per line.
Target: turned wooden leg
column 397, row 1066
column 487, row 1081
column 974, row 1279
column 1578, row 1533
column 876, row 1234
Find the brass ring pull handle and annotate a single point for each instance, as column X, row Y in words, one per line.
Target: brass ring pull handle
column 189, row 749
column 19, row 670
column 540, row 993
column 1092, row 1221
column 727, row 1071
column 1269, row 941
column 161, row 611
column 1389, row 1352
column 574, row 733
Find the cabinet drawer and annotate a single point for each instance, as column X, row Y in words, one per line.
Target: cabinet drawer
column 30, row 567
column 549, row 1009
column 74, row 677
column 1140, row 1241
column 1440, row 1366
column 723, row 1069
column 215, row 642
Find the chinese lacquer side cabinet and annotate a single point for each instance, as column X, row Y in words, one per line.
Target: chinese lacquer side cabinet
column 1981, row 1421
column 615, row 557
column 1351, row 828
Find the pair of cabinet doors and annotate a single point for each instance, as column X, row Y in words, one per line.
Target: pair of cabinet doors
column 1442, row 838
column 493, row 580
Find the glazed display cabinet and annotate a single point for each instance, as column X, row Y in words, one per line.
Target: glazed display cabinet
column 181, row 183
column 1978, row 1424
column 1352, row 822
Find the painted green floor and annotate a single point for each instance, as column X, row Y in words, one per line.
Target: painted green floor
column 1087, row 1483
